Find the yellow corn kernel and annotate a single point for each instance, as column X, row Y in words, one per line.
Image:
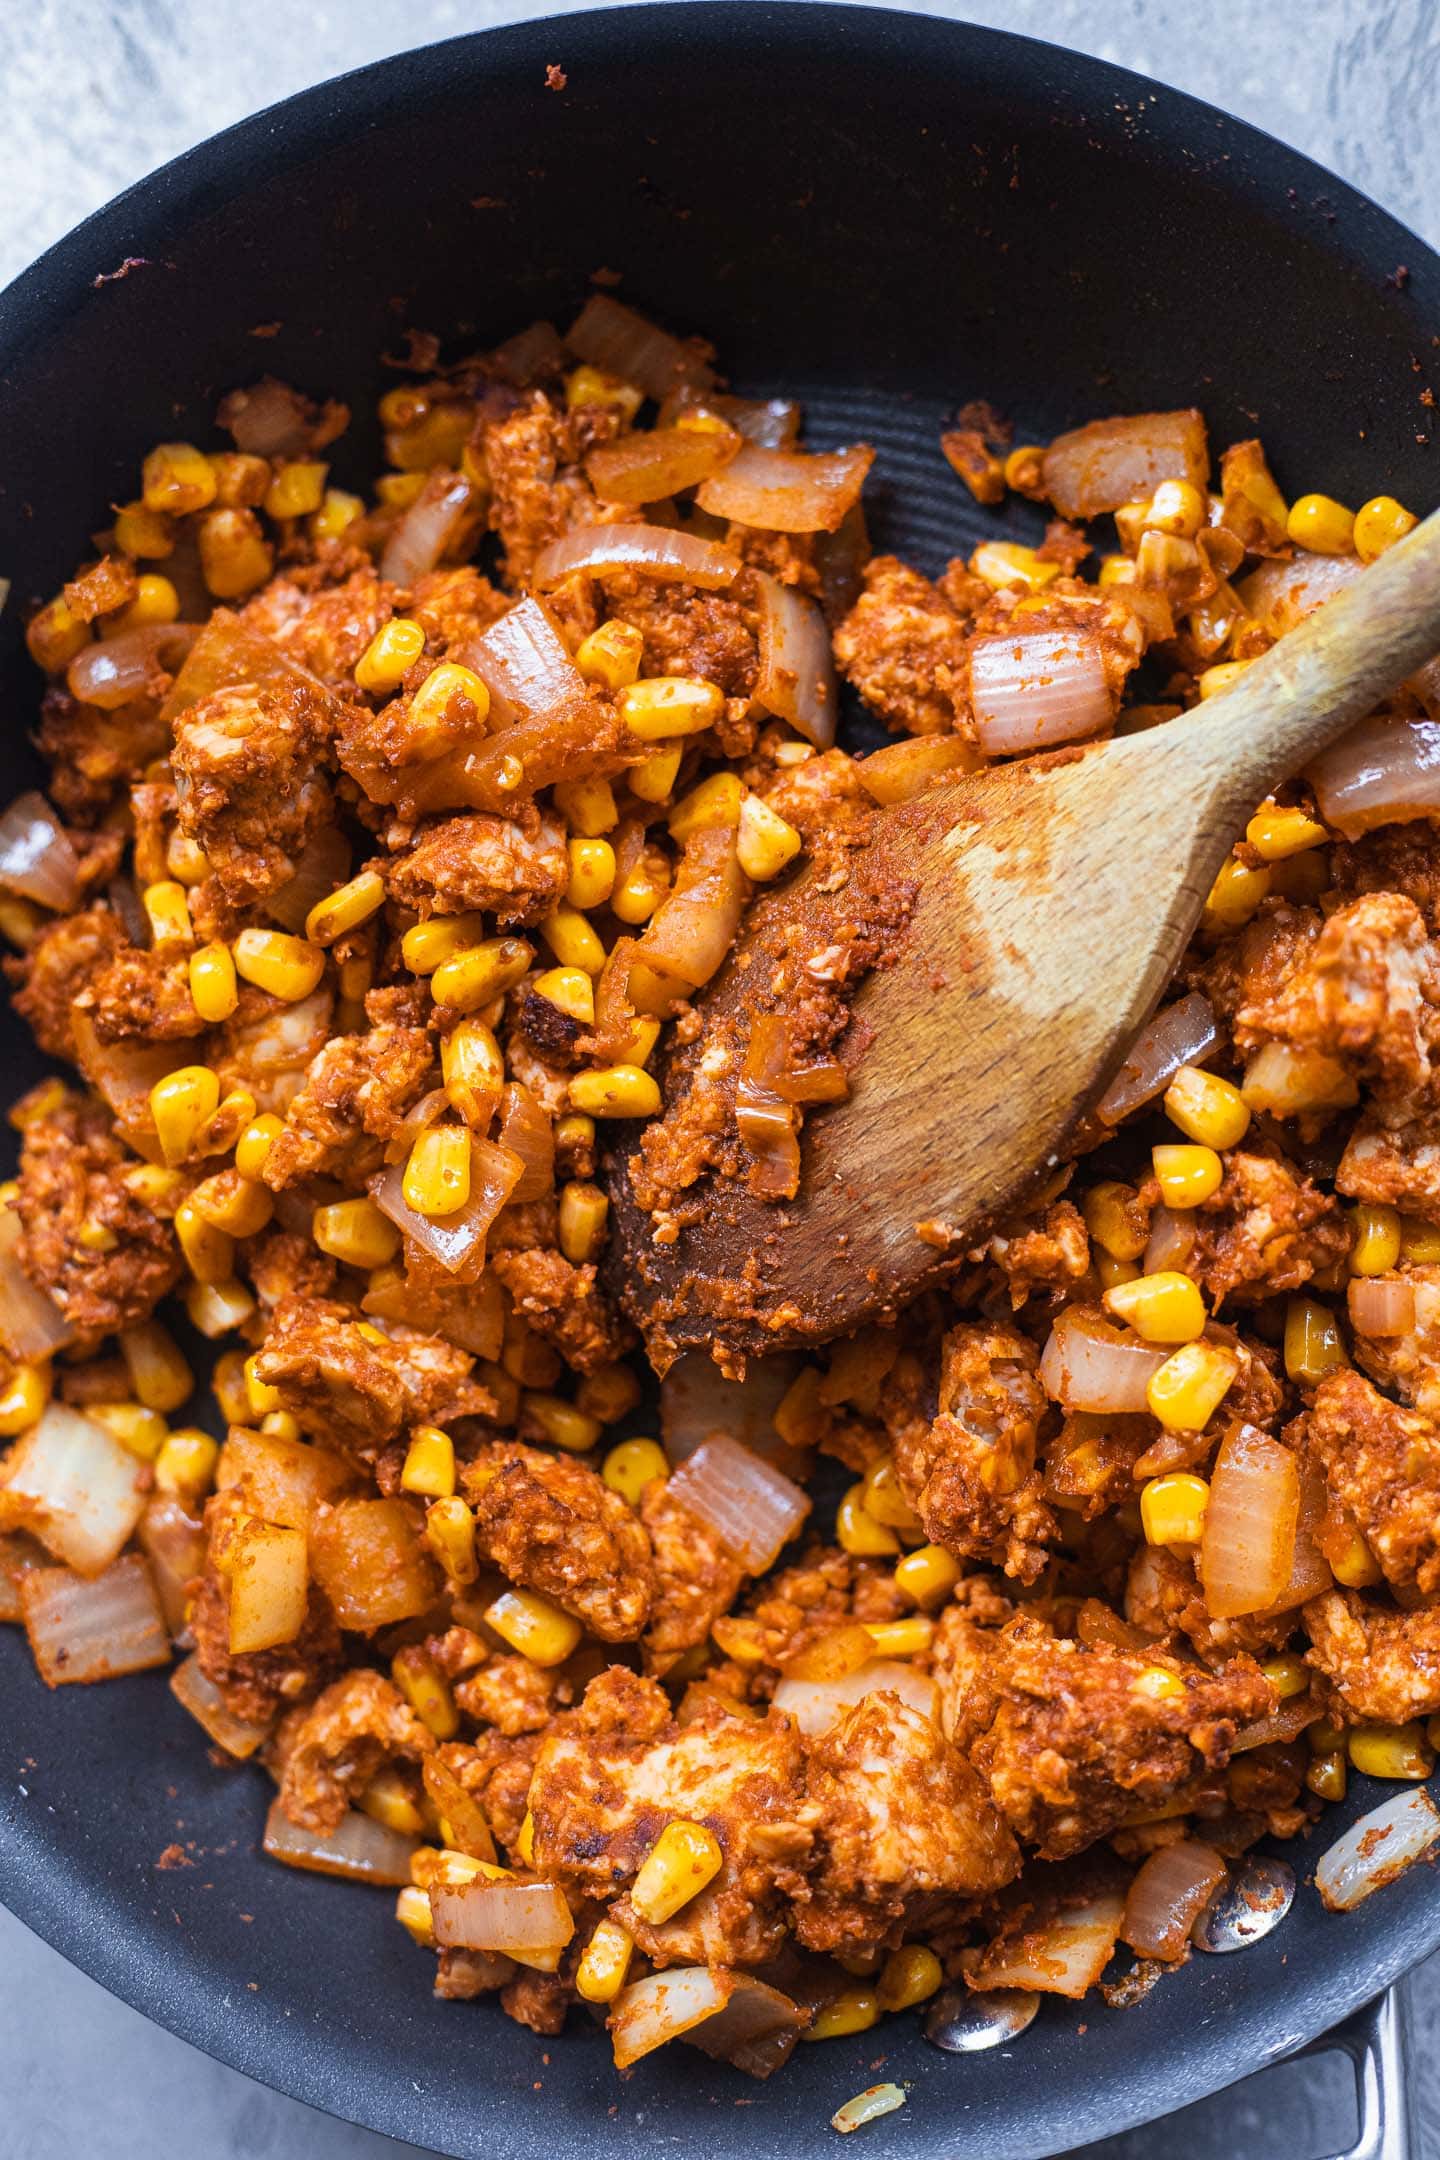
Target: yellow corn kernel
column 473, row 1070
column 1006, row 562
column 235, row 556
column 640, row 1040
column 143, row 533
column 1177, row 507
column 1234, row 896
column 54, row 635
column 155, row 601
column 1321, row 525
column 1206, row 1108
column 263, row 1397
column 252, row 1149
column 182, row 1104
column 1115, row 570
column 858, row 1532
column 654, row 777
column 398, row 490
column 611, row 655
column 177, row 478
column 156, row 1364
column 1390, row 1751
column 23, row 1397
column 766, row 842
column 1191, row 1385
column 524, row 1847
column 346, row 908
column 450, row 1534
column 429, row 1464
column 143, row 1431
column 1023, row 469
column 482, row 972
column 717, row 801
column 1172, row 1508
column 336, row 514
column 217, row 1309
column 1187, row 1176
column 1357, row 1568
column 154, row 1187
column 393, row 650
column 1312, row 1341
column 633, row 1465
column 427, row 945
column 426, row 1690
column 1287, row 1675
column 909, row 1975
column 592, row 872
column 209, row 1253
column 41, row 1102
column 355, row 1233
column 1110, row 1222
column 297, row 490
column 1375, row 1246
column 574, row 1136
column 213, row 991
column 901, row 1638
column 389, row 1800
column 563, row 1424
column 283, row 966
column 1163, row 1308
column 1379, row 523
column 928, row 1575
column 1277, row 833
column 228, row 1382
column 222, row 1132
column 21, row 921
column 604, row 1962
column 1215, row 681
column 661, row 706
column 437, row 1175
column 684, row 1858
column 588, row 806
column 583, row 1211
column 853, row 2012
column 1159, row 1683
column 570, row 990
column 240, row 478
column 573, row 939
column 430, row 707
column 533, row 1626
column 1326, row 1775
column 884, row 1496
column 237, row 1205
column 615, row 1091
column 94, row 1236
column 586, row 385
column 1419, row 1240
column 185, row 1465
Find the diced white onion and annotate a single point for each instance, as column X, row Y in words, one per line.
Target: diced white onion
column 1289, row 1081
column 456, row 1242
column 1123, row 459
column 1171, row 1241
column 1386, row 771
column 876, row 2100
column 96, row 1628
column 1089, row 1365
column 1064, row 1957
column 238, row 1736
column 322, row 864
column 1248, row 1550
column 529, row 1922
column 173, row 1541
column 903, row 770
column 1031, row 691
column 72, row 1484
column 359, row 1848
column 1378, row 1849
column 31, row 1323
column 1280, row 593
column 118, row 670
column 1184, row 1033
column 428, row 529
column 18, row 1554
column 526, row 666
column 792, row 491
column 1170, row 1891
column 1381, row 1305
column 816, row 1704
column 752, row 1508
column 268, row 420
column 615, row 338
column 36, row 857
column 796, row 681
column 651, row 464
column 697, row 1400
column 756, row 2031
column 664, row 2005
column 657, row 550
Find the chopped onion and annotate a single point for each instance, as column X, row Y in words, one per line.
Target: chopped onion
column 692, row 930
column 1248, row 1550
column 18, row 1554
column 1279, row 593
column 466, row 1824
column 322, row 864
column 1291, row 1081
column 31, row 1323
column 268, row 420
column 72, row 1485
column 359, row 1848
column 472, row 1316
column 864, row 2107
column 651, row 464
column 271, row 1054
column 1063, row 1956
column 905, row 769
column 833, row 1656
column 1036, row 689
column 368, row 1558
column 1381, row 1305
column 615, row 338
column 1286, row 1722
column 119, row 669
column 241, row 1737
column 697, row 1400
column 428, row 529
column 97, row 1629
column 525, row 664
column 1309, row 1569
column 796, row 681
column 1378, row 1849
column 528, row 1921
column 123, row 1073
column 36, row 857
column 1171, row 1242
column 528, row 355
column 816, row 1704
column 1185, row 1033
column 1167, row 1896
column 456, row 1242
column 656, row 550
column 173, row 1542
column 1386, row 771
column 665, row 2005
column 791, row 491
column 840, row 559
column 774, row 423
column 527, row 1130
column 1090, row 1365
column 227, row 652
column 126, row 902
column 1108, row 463
column 749, row 1504
column 755, row 2032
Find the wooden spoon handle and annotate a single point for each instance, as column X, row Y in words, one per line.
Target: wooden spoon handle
column 1323, row 675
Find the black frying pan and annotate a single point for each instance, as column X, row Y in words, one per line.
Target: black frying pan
column 891, row 215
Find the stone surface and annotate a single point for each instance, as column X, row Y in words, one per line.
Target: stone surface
column 101, row 91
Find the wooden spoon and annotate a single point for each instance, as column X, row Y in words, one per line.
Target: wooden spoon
column 1055, row 898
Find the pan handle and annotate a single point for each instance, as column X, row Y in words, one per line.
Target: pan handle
column 1375, row 2041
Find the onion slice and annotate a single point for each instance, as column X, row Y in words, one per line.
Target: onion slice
column 651, row 464
column 18, row 1554
column 1185, row 1033
column 31, row 1323
column 455, row 1242
column 1281, row 592
column 1386, row 771
column 1381, row 1305
column 816, row 1704
column 1062, row 1956
column 428, row 529
column 752, row 1507
column 1108, row 463
column 796, row 681
column 119, row 669
column 36, row 856
column 1378, row 1849
column 903, row 770
column 655, row 550
column 526, row 666
column 666, row 2006
column 240, row 1737
column 359, row 1848
column 173, row 1541
column 692, row 930
column 614, row 337
column 1031, row 691
column 1248, row 1551
column 527, row 1921
column 697, row 1400
column 72, row 1485
column 1089, row 1365
column 755, row 2032
column 527, row 1130
column 97, row 1628
column 322, row 864
column 791, row 491
column 1167, row 1897
column 1171, row 1242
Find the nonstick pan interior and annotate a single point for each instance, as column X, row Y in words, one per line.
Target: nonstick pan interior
column 890, row 215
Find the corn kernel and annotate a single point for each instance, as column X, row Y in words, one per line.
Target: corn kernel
column 909, row 1975
column 1215, row 681
column 450, row 1534
column 604, row 1962
column 633, row 1465
column 216, row 1309
column 1234, row 896
column 426, row 946
column 346, row 908
column 282, row 1424
column 572, row 939
column 570, row 990
column 252, row 1149
column 397, row 490
column 1163, row 1308
column 176, row 479
column 263, row 1397
column 563, row 1424
column 615, row 1091
column 1289, row 1676
column 393, row 650
column 662, row 706
column 611, row 655
column 1112, row 1224
column 185, row 1465
column 1357, row 1568
column 429, row 1464
column 181, row 1105
column 156, row 601
column 297, row 490
column 222, row 1132
column 1419, row 1241
column 1321, row 525
column 928, row 1575
column 482, row 972
column 235, row 556
column 336, row 514
column 592, row 873
column 1159, row 1684
column 1206, row 1108
column 1277, row 833
column 238, row 1205
column 587, row 385
column 715, row 802
column 94, row 1236
column 1177, row 507
column 54, row 635
column 355, row 1233
column 684, row 1858
column 1023, row 469
column 853, row 2012
column 639, row 1040
column 23, row 1397
column 1191, row 1385
column 766, row 842
column 884, row 1496
column 283, row 966
column 1172, row 1508
column 1312, row 1341
column 425, row 1689
column 1379, row 523
column 1390, row 1751
column 389, row 1800
column 583, row 1211
column 911, row 1637
column 533, row 1626
column 1326, row 1775
column 1115, row 570
column 209, row 1253
column 213, row 990
column 858, row 1532
column 431, row 706
column 654, row 777
column 143, row 1431
column 1006, row 562
column 437, row 1175
column 1187, row 1176
column 473, row 1070
column 588, row 806
column 21, row 921
column 143, row 533
column 1375, row 1246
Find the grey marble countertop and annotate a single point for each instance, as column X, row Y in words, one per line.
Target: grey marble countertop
column 101, row 91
